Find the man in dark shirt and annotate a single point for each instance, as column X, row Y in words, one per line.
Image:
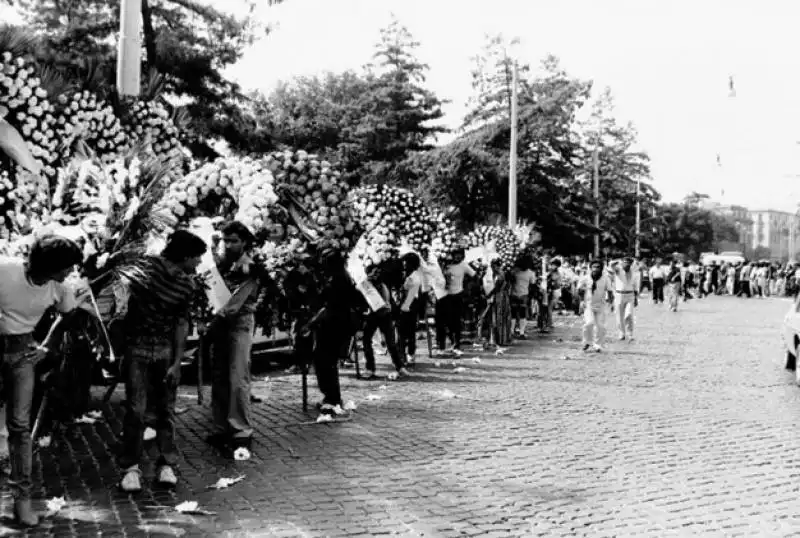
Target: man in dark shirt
column 157, row 326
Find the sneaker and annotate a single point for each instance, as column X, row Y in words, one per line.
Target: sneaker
column 411, row 360
column 597, row 349
column 166, row 476
column 402, row 372
column 368, row 374
column 330, row 409
column 586, row 347
column 621, row 337
column 132, row 481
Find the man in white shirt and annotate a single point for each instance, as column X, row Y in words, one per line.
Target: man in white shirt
column 595, row 290
column 657, row 274
column 626, row 295
column 449, row 308
column 27, row 289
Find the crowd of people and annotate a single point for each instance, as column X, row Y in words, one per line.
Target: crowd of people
column 325, row 310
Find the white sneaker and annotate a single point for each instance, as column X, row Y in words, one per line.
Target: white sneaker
column 402, row 372
column 597, row 349
column 132, row 481
column 166, row 476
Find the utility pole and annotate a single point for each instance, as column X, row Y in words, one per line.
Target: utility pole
column 596, row 181
column 512, row 161
column 129, row 54
column 638, row 219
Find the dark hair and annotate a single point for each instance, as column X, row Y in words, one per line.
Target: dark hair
column 556, row 262
column 235, row 227
column 412, row 260
column 182, row 245
column 52, row 254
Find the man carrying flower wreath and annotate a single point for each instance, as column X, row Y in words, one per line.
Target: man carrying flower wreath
column 232, row 342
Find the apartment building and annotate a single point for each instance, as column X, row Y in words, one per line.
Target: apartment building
column 778, row 231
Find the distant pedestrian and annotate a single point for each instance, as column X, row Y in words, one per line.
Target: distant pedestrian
column 626, row 293
column 674, row 286
column 595, row 290
column 657, row 274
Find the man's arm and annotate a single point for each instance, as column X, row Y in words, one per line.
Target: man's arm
column 411, row 294
column 239, row 297
column 179, row 341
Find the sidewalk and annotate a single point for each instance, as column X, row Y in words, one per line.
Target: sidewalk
column 304, row 479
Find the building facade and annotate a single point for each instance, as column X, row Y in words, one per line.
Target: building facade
column 776, row 231
column 765, row 233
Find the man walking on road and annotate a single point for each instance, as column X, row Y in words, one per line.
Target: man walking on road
column 595, row 289
column 626, row 293
column 657, row 279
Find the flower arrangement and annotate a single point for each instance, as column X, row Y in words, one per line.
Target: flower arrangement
column 391, row 216
column 318, row 185
column 28, row 109
column 149, row 122
column 83, row 116
column 506, row 242
column 446, row 239
column 229, row 187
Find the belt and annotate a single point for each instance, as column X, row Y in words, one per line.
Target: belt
column 16, row 343
column 627, row 291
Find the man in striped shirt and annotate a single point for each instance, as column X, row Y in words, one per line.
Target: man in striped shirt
column 157, row 326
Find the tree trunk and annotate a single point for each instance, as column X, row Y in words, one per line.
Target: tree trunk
column 149, row 35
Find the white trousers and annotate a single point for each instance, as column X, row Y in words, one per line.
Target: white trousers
column 594, row 325
column 623, row 303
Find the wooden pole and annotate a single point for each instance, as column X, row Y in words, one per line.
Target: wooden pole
column 129, row 53
column 512, row 169
column 638, row 219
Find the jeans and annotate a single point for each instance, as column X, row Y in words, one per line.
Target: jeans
column 448, row 320
column 146, row 362
column 382, row 319
column 18, row 380
column 230, row 378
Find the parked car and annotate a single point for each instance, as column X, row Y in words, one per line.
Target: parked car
column 791, row 335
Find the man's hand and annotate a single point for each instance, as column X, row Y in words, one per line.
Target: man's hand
column 173, row 376
column 36, row 354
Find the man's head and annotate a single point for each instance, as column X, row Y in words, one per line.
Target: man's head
column 555, row 265
column 627, row 263
column 237, row 239
column 52, row 258
column 596, row 268
column 411, row 262
column 184, row 249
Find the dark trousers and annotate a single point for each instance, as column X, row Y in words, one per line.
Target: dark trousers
column 329, row 340
column 382, row 319
column 146, row 364
column 658, row 290
column 744, row 288
column 407, row 330
column 448, row 320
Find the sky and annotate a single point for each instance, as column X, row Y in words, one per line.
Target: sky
column 667, row 64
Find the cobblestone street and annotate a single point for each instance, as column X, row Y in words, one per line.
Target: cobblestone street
column 691, row 430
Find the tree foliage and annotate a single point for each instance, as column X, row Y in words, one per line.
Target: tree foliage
column 187, row 42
